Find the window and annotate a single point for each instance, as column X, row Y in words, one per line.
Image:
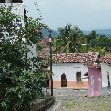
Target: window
column 78, row 76
column 17, row 22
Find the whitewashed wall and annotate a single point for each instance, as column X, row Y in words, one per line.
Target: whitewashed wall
column 104, row 69
column 69, row 69
column 18, row 9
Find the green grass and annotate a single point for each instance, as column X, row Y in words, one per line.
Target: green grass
column 88, row 104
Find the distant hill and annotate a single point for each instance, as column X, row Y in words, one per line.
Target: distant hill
column 46, row 33
column 54, row 33
column 106, row 32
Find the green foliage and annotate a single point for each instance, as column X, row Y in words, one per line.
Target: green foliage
column 71, row 39
column 39, row 47
column 99, row 49
column 19, row 84
column 98, row 43
column 67, row 40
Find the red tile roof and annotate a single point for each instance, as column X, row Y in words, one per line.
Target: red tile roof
column 107, row 59
column 73, row 57
column 70, row 57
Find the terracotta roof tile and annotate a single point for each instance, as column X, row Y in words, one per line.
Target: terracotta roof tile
column 69, row 57
column 73, row 57
column 107, row 59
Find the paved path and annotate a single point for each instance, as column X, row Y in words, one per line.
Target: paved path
column 64, row 93
column 69, row 92
column 55, row 106
column 77, row 100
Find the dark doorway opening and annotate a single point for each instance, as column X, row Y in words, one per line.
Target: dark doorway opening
column 63, row 80
column 78, row 76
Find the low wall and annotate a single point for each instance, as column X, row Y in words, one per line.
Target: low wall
column 42, row 104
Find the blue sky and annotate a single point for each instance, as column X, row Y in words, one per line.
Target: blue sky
column 87, row 14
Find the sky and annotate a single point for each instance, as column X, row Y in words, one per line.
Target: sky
column 86, row 14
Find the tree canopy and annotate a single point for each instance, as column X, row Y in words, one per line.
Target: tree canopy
column 19, row 85
column 67, row 41
column 71, row 39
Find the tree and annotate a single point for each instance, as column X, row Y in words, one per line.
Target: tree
column 19, row 85
column 67, row 39
column 97, row 42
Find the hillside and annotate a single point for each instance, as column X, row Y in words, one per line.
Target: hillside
column 46, row 33
column 106, row 32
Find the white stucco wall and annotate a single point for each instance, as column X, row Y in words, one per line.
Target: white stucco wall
column 32, row 51
column 18, row 9
column 104, row 69
column 69, row 69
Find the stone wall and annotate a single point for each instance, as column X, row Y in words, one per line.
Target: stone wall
column 42, row 104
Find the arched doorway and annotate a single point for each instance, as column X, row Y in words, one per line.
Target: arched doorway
column 63, row 80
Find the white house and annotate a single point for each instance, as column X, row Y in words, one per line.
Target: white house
column 18, row 9
column 106, row 74
column 68, row 70
column 69, row 75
